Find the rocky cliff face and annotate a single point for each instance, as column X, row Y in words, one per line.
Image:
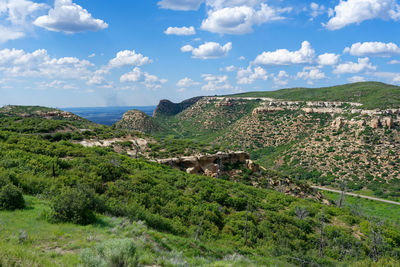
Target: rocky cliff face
column 138, row 121
column 209, row 165
column 234, row 166
column 339, row 140
column 168, row 108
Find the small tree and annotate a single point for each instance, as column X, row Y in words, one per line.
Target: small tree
column 342, row 194
column 11, row 198
column 74, row 205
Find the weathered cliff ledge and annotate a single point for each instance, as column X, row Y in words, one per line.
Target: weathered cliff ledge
column 210, row 165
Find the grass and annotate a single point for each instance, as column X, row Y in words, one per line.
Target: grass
column 376, row 209
column 371, row 94
column 28, row 239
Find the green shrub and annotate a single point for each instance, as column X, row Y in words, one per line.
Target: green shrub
column 74, row 205
column 11, row 198
column 112, row 253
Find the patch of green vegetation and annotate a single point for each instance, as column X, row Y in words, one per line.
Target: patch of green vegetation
column 366, row 207
column 371, row 94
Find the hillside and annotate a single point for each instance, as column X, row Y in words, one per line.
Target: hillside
column 322, row 142
column 138, row 121
column 164, row 216
column 373, row 95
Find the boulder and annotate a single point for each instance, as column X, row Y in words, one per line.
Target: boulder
column 388, row 122
column 375, row 123
column 338, row 123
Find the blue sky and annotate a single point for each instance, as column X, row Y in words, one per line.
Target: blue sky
column 74, row 53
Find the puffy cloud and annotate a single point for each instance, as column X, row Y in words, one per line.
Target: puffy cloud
column 18, row 15
column 128, row 58
column 38, row 64
column 69, row 17
column 373, row 49
column 209, row 50
column 249, row 75
column 133, row 76
column 18, row 63
column 356, row 79
column 20, row 11
column 311, row 74
column 180, row 31
column 328, row 59
column 356, row 11
column 316, row 10
column 183, row 5
column 7, row 34
column 187, row 48
column 351, row 67
column 240, row 19
column 214, row 82
column 280, row 79
column 146, row 79
column 305, row 55
column 186, row 82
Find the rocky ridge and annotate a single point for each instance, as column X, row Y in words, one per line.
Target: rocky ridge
column 219, row 165
column 168, row 108
column 138, row 121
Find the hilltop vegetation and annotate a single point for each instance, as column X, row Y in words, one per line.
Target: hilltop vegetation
column 371, row 94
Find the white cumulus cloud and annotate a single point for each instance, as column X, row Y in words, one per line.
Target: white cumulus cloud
column 240, row 19
column 316, row 10
column 69, row 17
column 18, row 63
column 356, row 11
column 208, row 50
column 215, row 82
column 128, row 58
column 144, row 78
column 328, row 59
column 311, row 74
column 186, row 82
column 305, row 55
column 373, row 49
column 280, row 79
column 17, row 17
column 363, row 64
column 180, row 31
column 7, row 34
column 249, row 75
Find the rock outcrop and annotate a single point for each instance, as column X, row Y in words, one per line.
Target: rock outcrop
column 168, row 108
column 138, row 121
column 210, row 165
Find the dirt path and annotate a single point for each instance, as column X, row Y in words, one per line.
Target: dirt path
column 357, row 195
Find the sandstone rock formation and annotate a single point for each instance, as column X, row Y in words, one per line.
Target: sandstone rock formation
column 210, row 165
column 138, row 121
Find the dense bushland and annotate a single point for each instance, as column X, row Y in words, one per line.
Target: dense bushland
column 80, row 181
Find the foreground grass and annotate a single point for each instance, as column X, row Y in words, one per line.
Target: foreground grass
column 371, row 208
column 28, row 239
